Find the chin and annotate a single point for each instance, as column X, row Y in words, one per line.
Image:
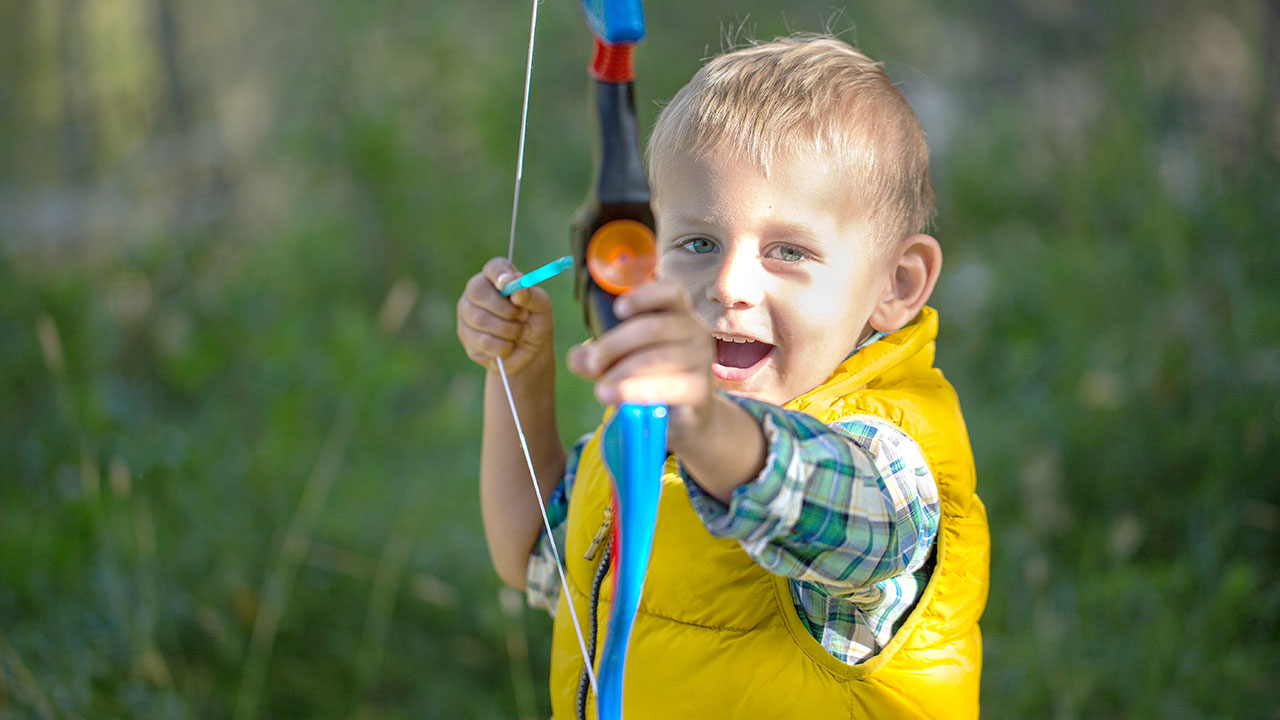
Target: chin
column 751, row 391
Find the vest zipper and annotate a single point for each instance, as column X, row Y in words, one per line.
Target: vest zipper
column 606, row 524
column 584, row 682
column 601, row 534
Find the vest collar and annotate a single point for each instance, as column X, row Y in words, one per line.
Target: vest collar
column 913, row 343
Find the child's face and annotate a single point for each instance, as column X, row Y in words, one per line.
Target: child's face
column 771, row 261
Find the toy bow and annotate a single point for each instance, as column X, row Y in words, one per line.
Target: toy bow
column 615, row 250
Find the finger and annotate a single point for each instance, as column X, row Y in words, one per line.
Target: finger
column 677, row 391
column 657, row 360
column 655, row 376
column 652, row 297
column 534, row 300
column 481, row 292
column 482, row 347
column 487, row 323
column 577, row 363
column 640, row 332
column 488, row 362
column 499, row 271
column 485, row 361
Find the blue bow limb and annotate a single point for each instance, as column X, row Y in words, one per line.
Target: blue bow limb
column 615, row 21
column 635, row 450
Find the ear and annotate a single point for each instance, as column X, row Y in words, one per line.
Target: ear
column 913, row 269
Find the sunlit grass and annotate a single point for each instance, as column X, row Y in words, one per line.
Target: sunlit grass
column 238, row 440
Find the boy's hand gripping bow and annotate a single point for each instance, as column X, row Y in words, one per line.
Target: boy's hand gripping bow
column 615, row 250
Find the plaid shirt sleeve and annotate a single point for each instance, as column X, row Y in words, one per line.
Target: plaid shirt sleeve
column 542, row 580
column 844, row 506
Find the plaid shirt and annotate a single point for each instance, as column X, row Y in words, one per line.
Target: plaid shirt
column 848, row 511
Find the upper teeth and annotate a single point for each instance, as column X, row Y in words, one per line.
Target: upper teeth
column 732, row 338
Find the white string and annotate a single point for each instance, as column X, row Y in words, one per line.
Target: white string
column 524, row 124
column 502, row 370
column 546, row 524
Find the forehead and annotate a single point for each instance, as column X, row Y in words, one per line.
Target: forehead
column 724, row 187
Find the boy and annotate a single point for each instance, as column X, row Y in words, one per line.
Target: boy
column 820, row 551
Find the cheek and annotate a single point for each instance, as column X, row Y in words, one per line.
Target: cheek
column 665, row 264
column 824, row 302
column 830, row 310
column 669, row 269
column 685, row 269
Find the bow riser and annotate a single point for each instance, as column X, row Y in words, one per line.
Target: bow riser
column 619, row 189
column 615, row 250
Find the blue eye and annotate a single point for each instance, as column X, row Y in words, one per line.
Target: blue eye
column 786, row 253
column 698, row 245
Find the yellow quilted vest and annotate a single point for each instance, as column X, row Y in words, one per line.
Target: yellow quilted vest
column 717, row 636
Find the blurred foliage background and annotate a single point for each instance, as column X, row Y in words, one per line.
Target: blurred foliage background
column 238, row 440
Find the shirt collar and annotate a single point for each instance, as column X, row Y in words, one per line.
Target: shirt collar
column 873, row 338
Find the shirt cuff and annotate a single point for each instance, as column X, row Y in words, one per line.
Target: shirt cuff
column 752, row 511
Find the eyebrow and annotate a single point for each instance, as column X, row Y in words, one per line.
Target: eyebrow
column 699, row 220
column 799, row 231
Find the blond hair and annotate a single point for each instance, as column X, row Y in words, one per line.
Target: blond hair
column 811, row 97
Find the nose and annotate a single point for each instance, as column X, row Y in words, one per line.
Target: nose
column 738, row 284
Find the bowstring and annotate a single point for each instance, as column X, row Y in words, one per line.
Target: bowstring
column 502, row 370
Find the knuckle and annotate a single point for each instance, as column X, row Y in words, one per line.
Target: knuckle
column 481, row 321
column 536, row 298
column 502, row 328
column 650, row 326
column 474, row 320
column 494, row 345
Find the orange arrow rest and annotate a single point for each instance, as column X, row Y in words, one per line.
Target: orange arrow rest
column 621, row 255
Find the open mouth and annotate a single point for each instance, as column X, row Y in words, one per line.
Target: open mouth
column 737, row 358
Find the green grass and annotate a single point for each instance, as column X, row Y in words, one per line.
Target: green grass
column 238, row 440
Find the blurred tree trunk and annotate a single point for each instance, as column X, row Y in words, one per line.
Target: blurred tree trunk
column 170, row 59
column 78, row 114
column 1271, row 41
